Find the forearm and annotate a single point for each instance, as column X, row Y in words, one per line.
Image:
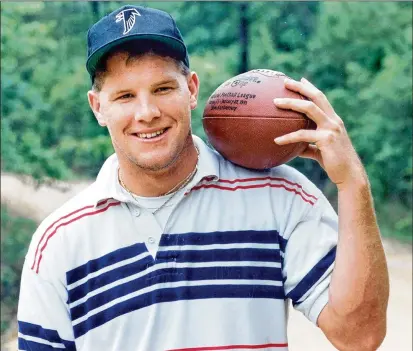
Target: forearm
column 355, row 316
column 360, row 278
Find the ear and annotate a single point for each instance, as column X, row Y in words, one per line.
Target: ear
column 94, row 103
column 193, row 85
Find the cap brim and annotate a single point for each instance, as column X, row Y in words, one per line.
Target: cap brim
column 176, row 46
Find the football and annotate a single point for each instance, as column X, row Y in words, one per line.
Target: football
column 241, row 120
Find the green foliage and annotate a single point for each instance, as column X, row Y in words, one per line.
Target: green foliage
column 44, row 86
column 395, row 221
column 358, row 54
column 373, row 90
column 15, row 236
column 85, row 156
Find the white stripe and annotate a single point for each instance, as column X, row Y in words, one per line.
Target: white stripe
column 175, row 265
column 107, row 269
column 176, row 285
column 220, row 246
column 41, row 341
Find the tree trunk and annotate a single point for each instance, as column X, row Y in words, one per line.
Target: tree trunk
column 95, row 10
column 244, row 23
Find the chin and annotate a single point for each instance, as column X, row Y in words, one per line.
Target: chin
column 158, row 159
column 154, row 163
column 154, row 166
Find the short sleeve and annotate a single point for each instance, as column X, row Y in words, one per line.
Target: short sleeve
column 309, row 259
column 43, row 317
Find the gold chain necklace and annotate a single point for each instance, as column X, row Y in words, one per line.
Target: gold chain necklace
column 174, row 190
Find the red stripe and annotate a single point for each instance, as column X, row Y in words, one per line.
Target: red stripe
column 71, row 213
column 232, row 347
column 232, row 181
column 252, row 187
column 71, row 221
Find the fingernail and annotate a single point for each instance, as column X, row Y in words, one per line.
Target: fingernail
column 278, row 100
column 304, row 80
column 277, row 140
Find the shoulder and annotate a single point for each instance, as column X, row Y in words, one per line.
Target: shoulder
column 295, row 178
column 283, row 179
column 55, row 224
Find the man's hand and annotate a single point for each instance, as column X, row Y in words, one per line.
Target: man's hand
column 330, row 144
column 355, row 315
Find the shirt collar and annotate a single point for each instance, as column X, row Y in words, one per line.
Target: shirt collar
column 208, row 164
column 107, row 182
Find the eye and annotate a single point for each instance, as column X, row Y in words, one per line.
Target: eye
column 124, row 96
column 163, row 89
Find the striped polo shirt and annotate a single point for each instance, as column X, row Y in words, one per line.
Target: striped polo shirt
column 102, row 274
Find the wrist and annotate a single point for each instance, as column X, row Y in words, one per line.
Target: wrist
column 355, row 184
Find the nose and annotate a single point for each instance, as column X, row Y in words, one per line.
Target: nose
column 146, row 110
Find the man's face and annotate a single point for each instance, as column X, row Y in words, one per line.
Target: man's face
column 146, row 105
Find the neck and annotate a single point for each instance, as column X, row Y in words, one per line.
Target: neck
column 157, row 183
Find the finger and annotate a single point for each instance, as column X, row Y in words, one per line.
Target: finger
column 305, row 88
column 312, row 152
column 302, row 135
column 307, row 107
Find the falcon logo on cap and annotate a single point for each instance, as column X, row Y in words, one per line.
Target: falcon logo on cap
column 128, row 17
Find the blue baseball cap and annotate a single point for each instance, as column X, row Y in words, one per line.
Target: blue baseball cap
column 135, row 23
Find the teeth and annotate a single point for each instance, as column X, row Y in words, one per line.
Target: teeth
column 150, row 135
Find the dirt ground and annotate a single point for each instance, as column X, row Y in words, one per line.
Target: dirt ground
column 304, row 336
column 22, row 196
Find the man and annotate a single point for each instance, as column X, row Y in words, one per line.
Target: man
column 175, row 248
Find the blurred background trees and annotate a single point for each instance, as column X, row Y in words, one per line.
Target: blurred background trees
column 358, row 54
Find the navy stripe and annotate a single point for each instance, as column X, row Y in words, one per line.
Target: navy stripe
column 174, row 275
column 229, row 237
column 312, row 277
column 176, row 294
column 109, row 277
column 283, row 243
column 36, row 346
column 38, row 331
column 113, row 257
column 247, row 254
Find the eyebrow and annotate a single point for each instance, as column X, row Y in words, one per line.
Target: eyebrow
column 116, row 92
column 165, row 81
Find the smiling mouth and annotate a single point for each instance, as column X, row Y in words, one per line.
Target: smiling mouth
column 151, row 135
